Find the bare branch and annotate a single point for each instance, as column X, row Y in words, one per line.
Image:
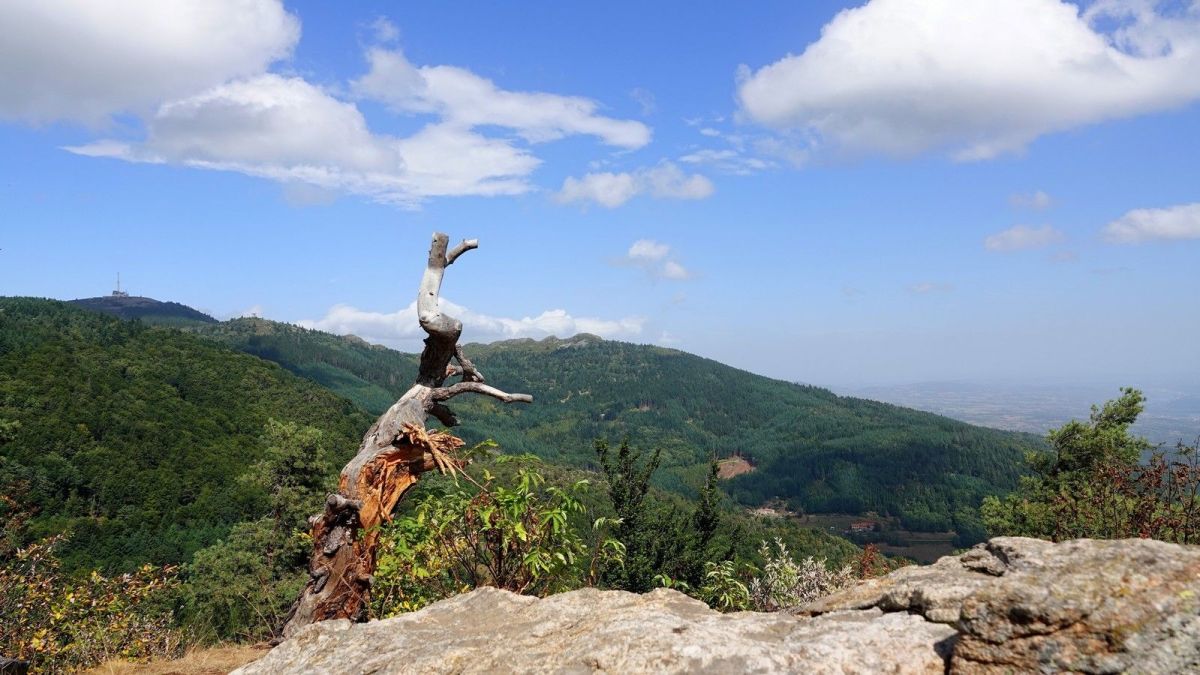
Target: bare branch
column 444, row 415
column 447, row 393
column 466, row 245
column 468, row 370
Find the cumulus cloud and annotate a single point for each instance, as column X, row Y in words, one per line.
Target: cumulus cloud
column 652, row 257
column 291, row 131
column 401, row 328
column 83, row 61
column 977, row 78
column 610, row 190
column 196, row 74
column 1171, row 223
column 1022, row 237
column 465, row 99
column 1036, row 200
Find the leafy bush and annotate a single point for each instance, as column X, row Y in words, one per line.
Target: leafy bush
column 722, row 589
column 1093, row 485
column 63, row 623
column 522, row 537
column 784, row 583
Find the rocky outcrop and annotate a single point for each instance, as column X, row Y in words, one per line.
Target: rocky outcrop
column 1011, row 605
column 1027, row 606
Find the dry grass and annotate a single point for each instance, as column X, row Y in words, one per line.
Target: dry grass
column 200, row 661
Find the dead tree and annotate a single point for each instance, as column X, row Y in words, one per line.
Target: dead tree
column 395, row 450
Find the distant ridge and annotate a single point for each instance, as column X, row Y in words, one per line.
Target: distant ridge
column 146, row 309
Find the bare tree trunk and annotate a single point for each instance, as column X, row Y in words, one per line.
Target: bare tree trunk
column 395, row 450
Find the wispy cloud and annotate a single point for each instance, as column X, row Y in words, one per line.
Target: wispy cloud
column 1036, row 200
column 1022, row 238
column 927, row 287
column 728, row 161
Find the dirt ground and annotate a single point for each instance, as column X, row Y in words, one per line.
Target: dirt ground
column 733, row 466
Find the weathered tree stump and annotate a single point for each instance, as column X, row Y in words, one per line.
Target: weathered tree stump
column 394, row 452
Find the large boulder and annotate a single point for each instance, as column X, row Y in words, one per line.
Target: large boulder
column 586, row 631
column 1027, row 606
column 1011, row 605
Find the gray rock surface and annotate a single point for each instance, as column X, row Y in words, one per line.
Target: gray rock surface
column 1011, row 605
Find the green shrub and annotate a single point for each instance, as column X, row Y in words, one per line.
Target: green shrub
column 63, row 623
column 521, row 536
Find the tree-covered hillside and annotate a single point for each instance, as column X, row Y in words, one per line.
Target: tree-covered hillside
column 146, row 309
column 133, row 438
column 371, row 376
column 812, row 449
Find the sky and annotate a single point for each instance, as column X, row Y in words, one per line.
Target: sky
column 843, row 194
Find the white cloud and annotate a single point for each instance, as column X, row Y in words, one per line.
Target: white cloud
column 289, row 130
column 610, row 190
column 385, row 31
column 1022, row 237
column 195, row 73
column 926, row 287
column 465, row 99
column 651, row 257
column 727, row 161
column 1174, row 222
column 607, row 189
column 401, row 328
column 648, row 249
column 673, row 270
column 82, row 60
column 975, row 77
column 1037, row 201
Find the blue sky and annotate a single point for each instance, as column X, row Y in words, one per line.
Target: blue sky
column 836, row 193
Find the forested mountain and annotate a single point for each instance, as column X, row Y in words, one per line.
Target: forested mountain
column 143, row 443
column 133, row 438
column 812, row 449
column 146, row 309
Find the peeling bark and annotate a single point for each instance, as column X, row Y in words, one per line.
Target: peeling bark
column 394, row 452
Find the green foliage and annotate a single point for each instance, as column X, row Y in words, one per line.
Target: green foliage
column 243, row 586
column 639, row 531
column 132, row 438
column 150, row 311
column 1093, row 485
column 722, row 588
column 817, row 451
column 1078, row 447
column 521, row 535
column 61, row 622
column 372, row 377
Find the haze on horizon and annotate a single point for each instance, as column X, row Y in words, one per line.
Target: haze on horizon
column 845, row 194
